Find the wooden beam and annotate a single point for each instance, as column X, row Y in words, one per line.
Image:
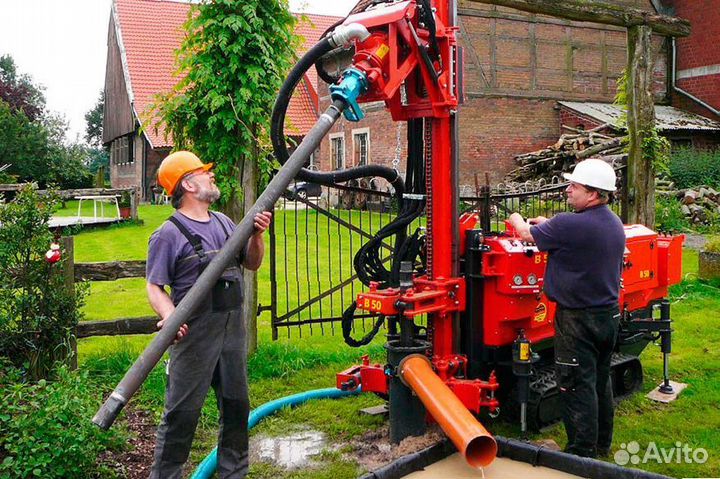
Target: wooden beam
column 109, row 271
column 118, row 327
column 640, row 197
column 598, row 12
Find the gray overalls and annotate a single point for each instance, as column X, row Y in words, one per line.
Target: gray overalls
column 214, row 353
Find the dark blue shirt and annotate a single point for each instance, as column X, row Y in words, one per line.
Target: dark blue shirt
column 585, row 257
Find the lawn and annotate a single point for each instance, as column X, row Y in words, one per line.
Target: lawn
column 292, row 364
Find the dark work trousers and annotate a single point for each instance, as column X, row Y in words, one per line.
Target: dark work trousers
column 214, row 352
column 584, row 343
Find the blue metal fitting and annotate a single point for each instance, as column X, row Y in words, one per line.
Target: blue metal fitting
column 354, row 83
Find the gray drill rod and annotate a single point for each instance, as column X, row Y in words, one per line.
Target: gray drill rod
column 140, row 370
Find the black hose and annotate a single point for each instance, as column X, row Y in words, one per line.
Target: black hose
column 347, row 322
column 277, row 121
column 277, row 130
column 368, row 262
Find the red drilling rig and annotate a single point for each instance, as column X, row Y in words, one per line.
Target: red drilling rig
column 489, row 334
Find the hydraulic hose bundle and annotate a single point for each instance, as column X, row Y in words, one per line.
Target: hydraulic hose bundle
column 368, row 262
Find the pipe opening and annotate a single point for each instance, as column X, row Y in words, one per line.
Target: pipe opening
column 481, row 451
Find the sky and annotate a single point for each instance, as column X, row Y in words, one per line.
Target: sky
column 62, row 45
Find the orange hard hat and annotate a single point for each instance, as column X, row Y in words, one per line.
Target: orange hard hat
column 177, row 165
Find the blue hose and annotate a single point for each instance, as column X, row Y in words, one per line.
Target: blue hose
column 208, row 466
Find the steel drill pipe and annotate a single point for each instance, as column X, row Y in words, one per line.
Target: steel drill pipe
column 472, row 440
column 140, row 370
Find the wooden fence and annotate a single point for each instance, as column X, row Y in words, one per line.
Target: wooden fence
column 109, row 271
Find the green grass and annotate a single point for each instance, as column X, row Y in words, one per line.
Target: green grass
column 292, row 365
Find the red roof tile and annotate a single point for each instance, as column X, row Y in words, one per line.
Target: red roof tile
column 151, row 31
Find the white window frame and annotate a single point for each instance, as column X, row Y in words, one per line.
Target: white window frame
column 341, row 163
column 356, row 153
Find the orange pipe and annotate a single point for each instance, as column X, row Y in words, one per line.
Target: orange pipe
column 473, row 441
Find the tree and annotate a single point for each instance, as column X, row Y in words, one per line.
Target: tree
column 231, row 63
column 98, row 155
column 94, row 122
column 23, row 144
column 32, row 140
column 18, row 91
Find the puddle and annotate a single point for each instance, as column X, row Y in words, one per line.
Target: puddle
column 290, row 452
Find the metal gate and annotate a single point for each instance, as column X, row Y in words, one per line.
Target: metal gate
column 315, row 235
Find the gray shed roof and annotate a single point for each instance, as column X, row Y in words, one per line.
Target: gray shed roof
column 666, row 117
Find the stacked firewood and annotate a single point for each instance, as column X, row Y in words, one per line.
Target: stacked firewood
column 698, row 204
column 572, row 147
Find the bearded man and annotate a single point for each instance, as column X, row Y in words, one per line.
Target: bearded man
column 210, row 350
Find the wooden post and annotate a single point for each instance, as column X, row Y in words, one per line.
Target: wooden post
column 68, row 250
column 640, row 197
column 249, row 185
column 134, row 200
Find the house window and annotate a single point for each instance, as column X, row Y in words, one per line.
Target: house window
column 131, row 149
column 337, row 151
column 311, row 163
column 122, row 151
column 361, row 146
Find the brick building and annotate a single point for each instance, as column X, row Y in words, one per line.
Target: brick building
column 518, row 66
column 697, row 58
column 143, row 36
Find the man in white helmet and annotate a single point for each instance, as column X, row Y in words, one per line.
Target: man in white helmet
column 583, row 277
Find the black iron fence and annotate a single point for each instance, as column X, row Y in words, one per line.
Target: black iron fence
column 315, row 235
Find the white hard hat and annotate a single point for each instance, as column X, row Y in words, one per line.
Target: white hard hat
column 593, row 173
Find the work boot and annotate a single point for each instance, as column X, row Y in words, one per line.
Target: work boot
column 603, row 452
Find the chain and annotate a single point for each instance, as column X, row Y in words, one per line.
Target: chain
column 398, row 147
column 427, row 154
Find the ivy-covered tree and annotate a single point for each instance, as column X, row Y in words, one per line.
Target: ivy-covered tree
column 232, row 62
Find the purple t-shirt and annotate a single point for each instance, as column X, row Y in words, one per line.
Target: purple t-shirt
column 585, row 257
column 173, row 262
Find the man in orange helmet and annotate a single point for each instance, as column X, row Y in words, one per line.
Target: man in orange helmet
column 210, row 349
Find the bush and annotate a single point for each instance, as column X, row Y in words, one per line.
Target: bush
column 38, row 314
column 713, row 245
column 45, row 428
column 669, row 216
column 690, row 167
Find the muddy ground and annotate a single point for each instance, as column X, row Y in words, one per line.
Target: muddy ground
column 371, row 450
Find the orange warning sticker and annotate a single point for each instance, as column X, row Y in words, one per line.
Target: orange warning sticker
column 540, row 313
